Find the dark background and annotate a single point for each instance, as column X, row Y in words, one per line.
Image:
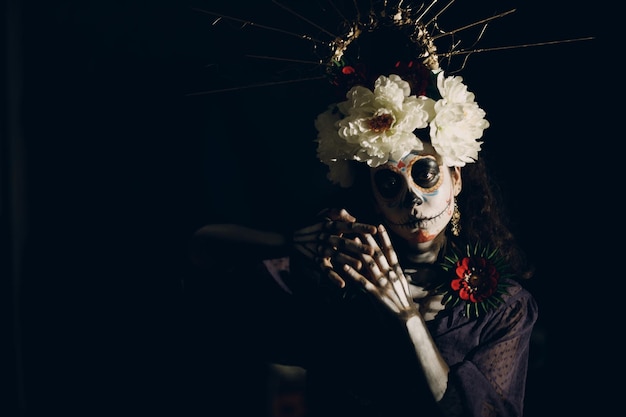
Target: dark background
column 110, row 162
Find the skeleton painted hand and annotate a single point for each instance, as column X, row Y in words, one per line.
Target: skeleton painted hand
column 324, row 242
column 382, row 276
column 378, row 271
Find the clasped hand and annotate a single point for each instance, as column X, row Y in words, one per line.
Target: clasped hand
column 347, row 250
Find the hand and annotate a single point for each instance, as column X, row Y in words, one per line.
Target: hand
column 382, row 276
column 324, row 242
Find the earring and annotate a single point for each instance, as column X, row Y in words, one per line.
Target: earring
column 455, row 222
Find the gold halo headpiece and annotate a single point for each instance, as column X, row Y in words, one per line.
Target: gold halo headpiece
column 392, row 39
column 386, row 68
column 397, row 96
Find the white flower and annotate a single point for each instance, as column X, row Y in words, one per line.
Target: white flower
column 332, row 149
column 377, row 126
column 458, row 123
column 382, row 121
column 341, row 173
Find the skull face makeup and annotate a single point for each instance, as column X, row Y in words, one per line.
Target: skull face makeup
column 416, row 194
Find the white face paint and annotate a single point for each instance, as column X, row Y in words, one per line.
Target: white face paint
column 416, row 194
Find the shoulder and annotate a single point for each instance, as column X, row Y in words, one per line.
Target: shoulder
column 518, row 297
column 511, row 308
column 518, row 310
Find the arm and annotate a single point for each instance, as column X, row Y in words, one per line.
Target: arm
column 492, row 372
column 474, row 366
column 382, row 277
column 239, row 233
column 434, row 367
column 323, row 243
column 221, row 242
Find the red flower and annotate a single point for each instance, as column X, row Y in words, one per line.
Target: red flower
column 476, row 279
column 347, row 70
column 416, row 74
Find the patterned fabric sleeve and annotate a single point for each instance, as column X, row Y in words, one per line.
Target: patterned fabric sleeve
column 491, row 380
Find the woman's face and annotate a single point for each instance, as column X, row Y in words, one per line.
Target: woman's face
column 416, row 194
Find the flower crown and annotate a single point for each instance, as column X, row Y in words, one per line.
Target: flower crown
column 386, row 65
column 378, row 126
column 409, row 94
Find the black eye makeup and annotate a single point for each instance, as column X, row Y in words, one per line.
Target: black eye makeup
column 389, row 183
column 425, row 173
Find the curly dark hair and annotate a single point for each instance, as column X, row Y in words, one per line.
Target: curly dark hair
column 484, row 217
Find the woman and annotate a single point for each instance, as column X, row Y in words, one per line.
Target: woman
column 380, row 351
column 406, row 298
